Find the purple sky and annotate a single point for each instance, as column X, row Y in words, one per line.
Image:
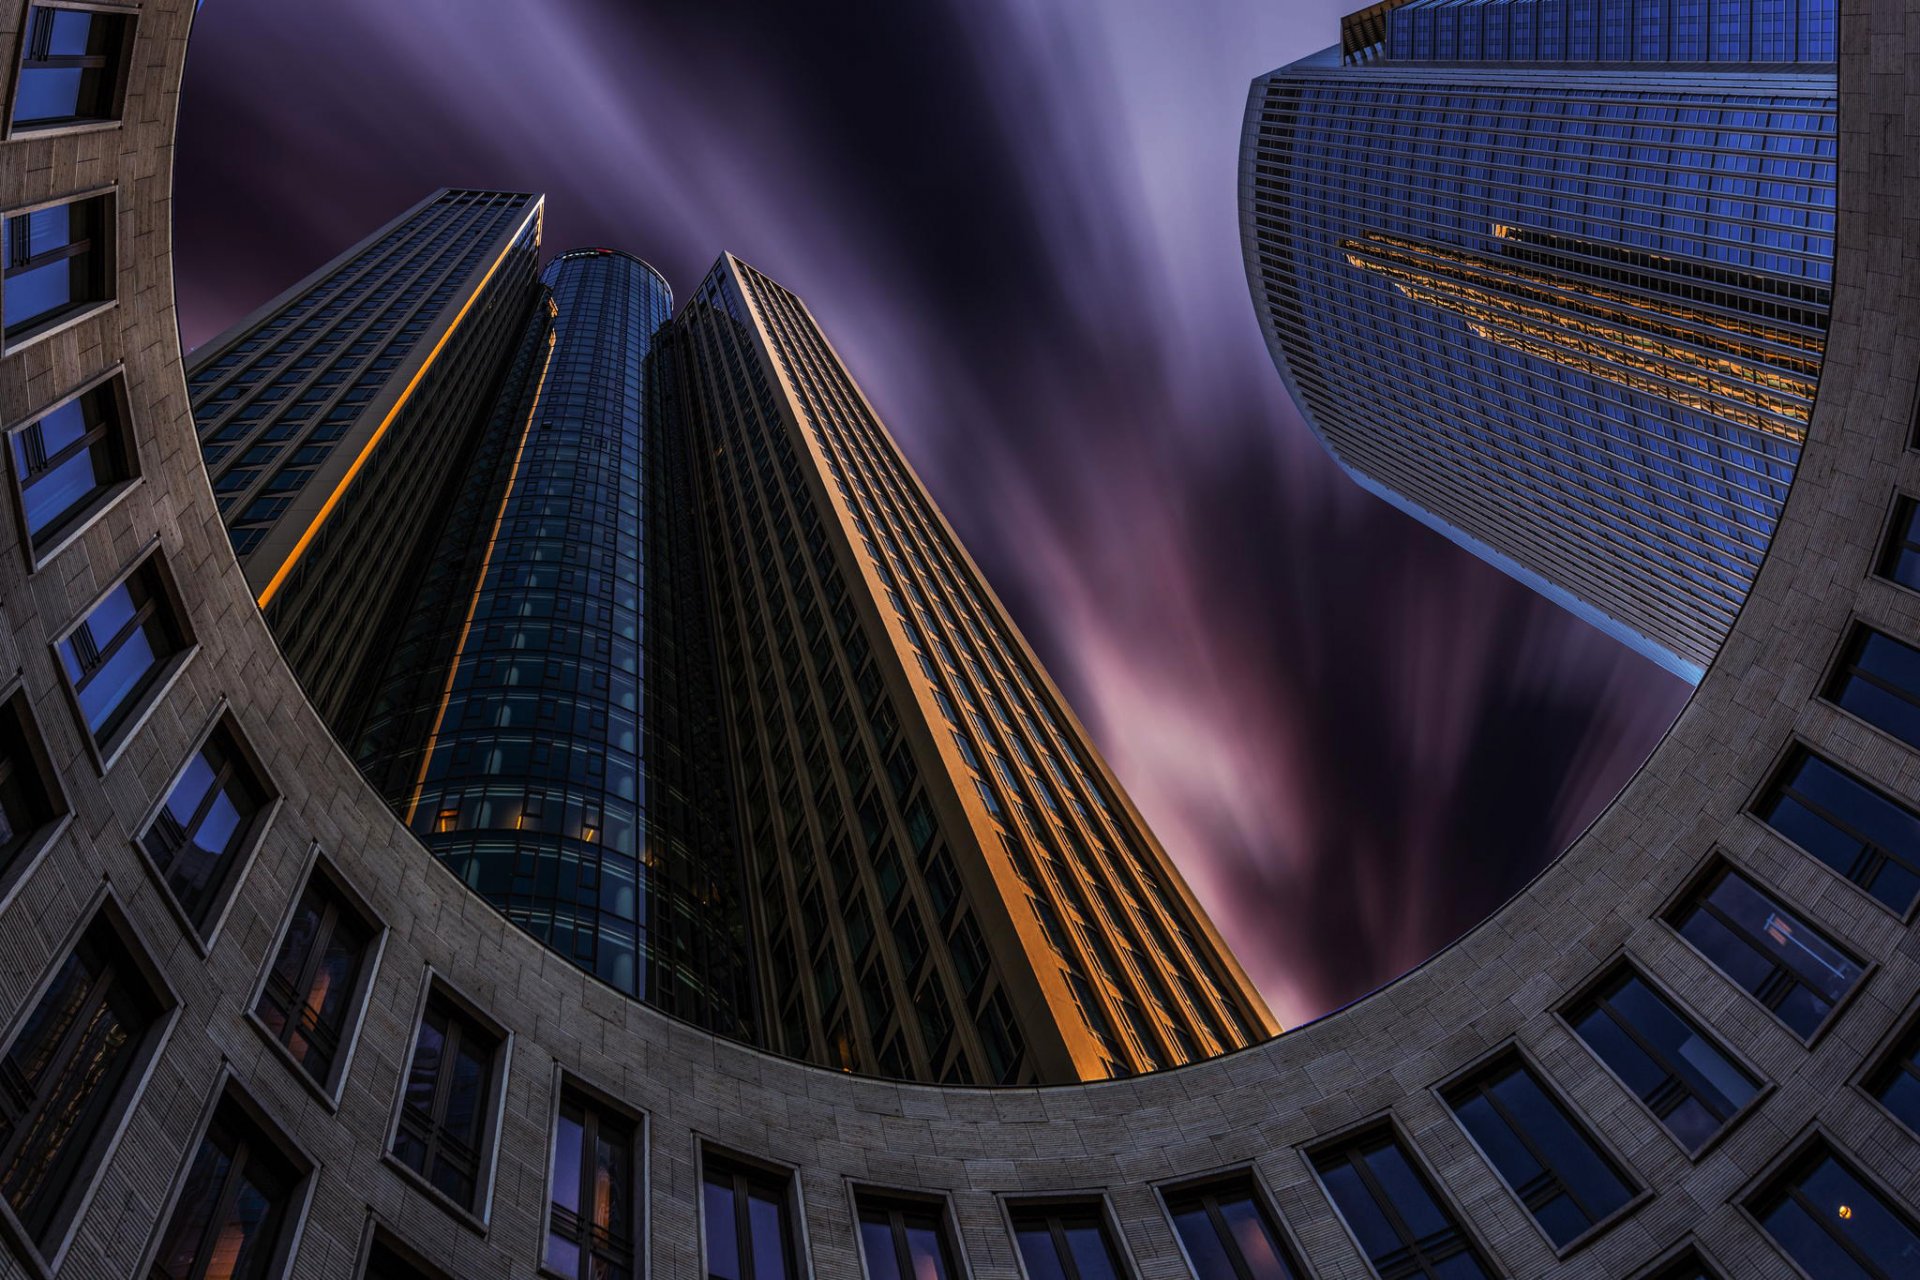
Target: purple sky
column 1016, row 220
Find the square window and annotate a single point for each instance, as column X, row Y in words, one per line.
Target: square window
column 71, row 460
column 57, row 264
column 73, row 67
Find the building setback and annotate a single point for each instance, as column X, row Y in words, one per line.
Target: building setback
column 1555, row 281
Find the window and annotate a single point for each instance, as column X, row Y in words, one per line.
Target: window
column 1785, row 963
column 209, row 818
column 905, row 1240
column 1228, row 1235
column 71, row 66
column 1065, row 1242
column 747, row 1232
column 56, row 264
column 1824, row 1217
column 1878, row 679
column 1684, row 1078
column 121, row 650
column 388, row 1259
column 1545, row 1156
column 1395, row 1215
column 449, row 1103
column 590, row 1224
column 1896, row 1080
column 29, row 802
column 69, row 460
column 317, row 979
column 1867, row 837
column 231, row 1220
column 70, row 1073
column 1900, row 557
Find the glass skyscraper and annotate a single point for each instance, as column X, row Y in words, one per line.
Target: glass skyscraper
column 1553, row 276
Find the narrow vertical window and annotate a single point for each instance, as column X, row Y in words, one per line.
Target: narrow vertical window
column 68, row 1076
column 447, row 1110
column 1228, row 1235
column 747, row 1232
column 1878, row 679
column 1398, row 1219
column 1545, row 1156
column 121, row 650
column 1867, row 837
column 1066, row 1242
column 590, row 1228
column 1780, row 959
column 1900, row 556
column 28, row 801
column 209, row 819
column 72, row 66
column 70, row 460
column 905, row 1240
column 1895, row 1082
column 1830, row 1222
column 56, row 264
column 232, row 1217
column 316, row 980
column 1685, row 1079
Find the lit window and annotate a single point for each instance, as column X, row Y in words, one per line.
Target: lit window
column 1824, row 1217
column 590, row 1228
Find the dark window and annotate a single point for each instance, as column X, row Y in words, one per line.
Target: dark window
column 1065, row 1242
column 590, row 1230
column 1867, row 837
column 71, row 63
column 1896, row 1081
column 448, row 1105
column 315, row 980
column 197, row 837
column 118, row 653
column 56, row 263
column 27, row 798
column 1686, row 1267
column 234, row 1206
column 1668, row 1063
column 905, row 1240
column 68, row 460
column 1900, row 557
column 1832, row 1224
column 1547, row 1158
column 1788, row 964
column 1228, row 1235
column 389, row 1260
column 1401, row 1223
column 1878, row 679
column 748, row 1235
column 68, row 1074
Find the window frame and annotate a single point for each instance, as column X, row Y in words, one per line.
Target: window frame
column 1011, row 1208
column 1815, row 1138
column 88, row 511
column 109, row 267
column 565, row 1083
column 1796, row 753
column 478, row 1216
column 122, row 73
column 219, row 904
column 1853, row 636
column 15, row 703
column 866, row 1196
column 1232, row 1178
column 1905, row 1027
column 1884, row 552
column 800, row 1253
column 1362, row 1131
column 320, row 866
column 377, row 1234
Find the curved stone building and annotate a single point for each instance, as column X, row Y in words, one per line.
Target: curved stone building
column 249, row 1026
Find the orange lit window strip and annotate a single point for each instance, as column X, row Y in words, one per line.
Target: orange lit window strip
column 339, row 490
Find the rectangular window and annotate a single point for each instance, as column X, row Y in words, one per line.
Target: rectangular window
column 746, row 1214
column 1866, row 836
column 1228, row 1235
column 591, row 1231
column 1066, row 1242
column 1900, row 557
column 1545, row 1156
column 119, row 653
column 72, row 66
column 232, row 1220
column 904, row 1239
column 1775, row 956
column 70, row 460
column 1669, row 1064
column 57, row 264
column 70, row 1074
column 388, row 1259
column 1896, row 1080
column 447, row 1111
column 1395, row 1215
column 1878, row 679
column 1830, row 1222
column 29, row 801
column 209, row 820
column 313, row 990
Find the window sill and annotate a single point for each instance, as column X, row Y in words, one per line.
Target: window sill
column 1640, row 1198
column 106, row 756
column 12, row 346
column 454, row 1209
column 60, row 129
column 39, row 557
column 325, row 1096
column 29, row 857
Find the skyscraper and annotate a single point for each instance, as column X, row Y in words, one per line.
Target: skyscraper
column 336, row 418
column 1553, row 278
